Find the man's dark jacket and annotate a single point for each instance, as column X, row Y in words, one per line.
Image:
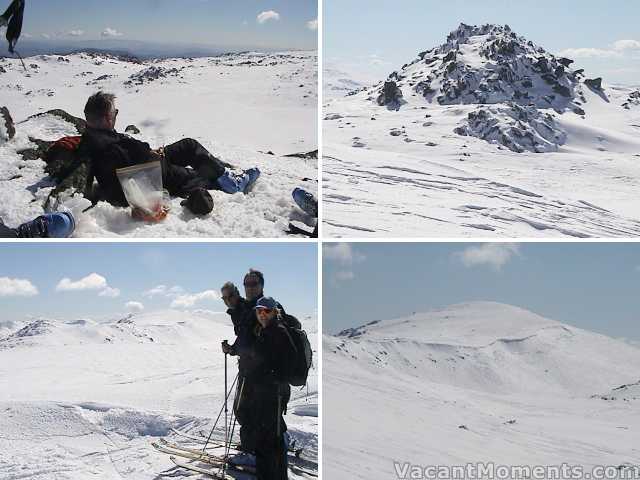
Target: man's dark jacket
column 108, row 150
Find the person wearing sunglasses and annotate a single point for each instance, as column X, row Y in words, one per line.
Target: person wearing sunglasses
column 188, row 169
column 241, row 316
column 260, row 403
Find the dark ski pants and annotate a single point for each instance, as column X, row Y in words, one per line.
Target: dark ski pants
column 271, row 456
column 190, row 153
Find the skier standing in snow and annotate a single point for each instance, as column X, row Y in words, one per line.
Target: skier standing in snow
column 260, row 401
column 108, row 150
column 242, row 317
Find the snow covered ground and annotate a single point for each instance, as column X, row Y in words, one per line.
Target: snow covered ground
column 83, row 399
column 477, row 382
column 240, row 107
column 400, row 168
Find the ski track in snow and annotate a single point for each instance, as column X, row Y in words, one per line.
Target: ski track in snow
column 238, row 106
column 477, row 382
column 85, row 399
column 404, row 172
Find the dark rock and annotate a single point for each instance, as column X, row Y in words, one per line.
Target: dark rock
column 580, row 71
column 594, row 83
column 559, row 71
column 9, row 126
column 449, row 57
column 390, row 94
column 311, row 154
column 565, row 61
column 132, row 129
column 578, row 111
column 562, row 90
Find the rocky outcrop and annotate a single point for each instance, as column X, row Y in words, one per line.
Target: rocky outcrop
column 77, row 122
column 390, row 95
column 594, row 83
column 490, row 64
column 151, row 74
column 132, row 129
column 632, row 101
column 516, row 127
column 7, row 127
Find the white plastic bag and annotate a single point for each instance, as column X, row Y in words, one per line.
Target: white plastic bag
column 142, row 187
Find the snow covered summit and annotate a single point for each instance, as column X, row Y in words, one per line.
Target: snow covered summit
column 482, row 135
column 477, row 382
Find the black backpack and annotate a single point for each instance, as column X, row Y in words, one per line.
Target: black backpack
column 303, row 355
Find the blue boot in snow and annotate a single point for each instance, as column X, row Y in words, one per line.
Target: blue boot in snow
column 306, row 201
column 49, row 225
column 231, row 182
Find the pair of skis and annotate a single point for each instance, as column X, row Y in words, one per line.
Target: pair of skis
column 193, row 454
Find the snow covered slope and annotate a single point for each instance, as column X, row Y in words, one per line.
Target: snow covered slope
column 248, row 109
column 487, row 134
column 83, row 399
column 477, row 382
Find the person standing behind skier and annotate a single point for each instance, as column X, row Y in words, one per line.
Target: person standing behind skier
column 242, row 317
column 261, row 397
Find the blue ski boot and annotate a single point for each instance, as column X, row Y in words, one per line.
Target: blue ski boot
column 231, row 182
column 49, row 225
column 306, row 201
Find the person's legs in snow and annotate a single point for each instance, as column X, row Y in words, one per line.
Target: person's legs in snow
column 190, row 153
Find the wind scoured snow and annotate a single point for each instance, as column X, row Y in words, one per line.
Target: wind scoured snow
column 549, row 157
column 248, row 109
column 84, row 398
column 476, row 382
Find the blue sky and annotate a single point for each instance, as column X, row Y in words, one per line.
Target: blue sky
column 258, row 23
column 372, row 38
column 102, row 278
column 594, row 286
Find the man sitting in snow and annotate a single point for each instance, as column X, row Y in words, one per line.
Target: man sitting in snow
column 188, row 169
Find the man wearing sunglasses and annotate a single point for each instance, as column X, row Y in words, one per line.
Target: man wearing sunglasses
column 260, row 405
column 187, row 167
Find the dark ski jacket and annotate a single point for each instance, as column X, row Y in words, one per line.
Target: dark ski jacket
column 244, row 322
column 108, row 150
column 263, row 393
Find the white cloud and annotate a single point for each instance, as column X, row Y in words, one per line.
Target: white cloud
column 342, row 253
column 76, row 33
column 626, row 45
column 45, row 35
column 27, row 35
column 134, row 306
column 111, row 32
column 163, row 290
column 190, row 299
column 590, row 53
column 268, row 15
column 494, row 255
column 16, row 287
column 345, row 256
column 313, row 24
column 92, row 281
column 110, row 292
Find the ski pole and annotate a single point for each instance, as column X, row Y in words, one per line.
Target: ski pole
column 226, row 427
column 219, row 414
